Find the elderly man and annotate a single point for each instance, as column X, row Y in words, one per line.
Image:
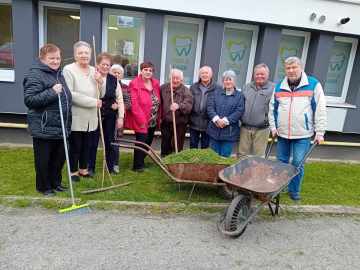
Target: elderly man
column 182, row 107
column 199, row 119
column 254, row 131
column 297, row 110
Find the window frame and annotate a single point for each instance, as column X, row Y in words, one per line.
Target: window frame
column 305, row 50
column 123, row 12
column 345, row 88
column 8, row 74
column 254, row 40
column 41, row 11
column 199, row 43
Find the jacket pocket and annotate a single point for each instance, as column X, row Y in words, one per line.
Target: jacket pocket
column 43, row 120
column 306, row 121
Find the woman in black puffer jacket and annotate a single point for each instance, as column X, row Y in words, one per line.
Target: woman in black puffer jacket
column 42, row 85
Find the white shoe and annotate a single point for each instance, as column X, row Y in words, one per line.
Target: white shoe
column 116, row 169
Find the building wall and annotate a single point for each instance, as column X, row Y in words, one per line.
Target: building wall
column 342, row 117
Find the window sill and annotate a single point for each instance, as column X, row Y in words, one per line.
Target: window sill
column 7, row 75
column 341, row 105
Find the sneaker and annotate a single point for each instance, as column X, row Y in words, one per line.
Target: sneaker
column 60, row 188
column 75, row 178
column 91, row 173
column 49, row 193
column 139, row 170
column 116, row 169
column 294, row 196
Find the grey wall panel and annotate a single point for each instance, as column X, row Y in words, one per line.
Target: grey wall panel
column 268, row 47
column 318, row 57
column 352, row 123
column 212, row 41
column 90, row 25
column 25, row 36
column 154, row 25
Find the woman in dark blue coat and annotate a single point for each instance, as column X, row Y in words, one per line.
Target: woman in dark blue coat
column 42, row 85
column 225, row 108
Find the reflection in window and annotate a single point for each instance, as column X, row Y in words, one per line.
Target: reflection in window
column 6, row 38
column 181, row 48
column 289, row 46
column 339, row 60
column 56, row 21
column 235, row 53
column 124, row 40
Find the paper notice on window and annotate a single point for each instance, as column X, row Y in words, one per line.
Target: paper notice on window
column 128, row 48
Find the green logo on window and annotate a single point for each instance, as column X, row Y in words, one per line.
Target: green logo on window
column 337, row 62
column 237, row 50
column 183, row 45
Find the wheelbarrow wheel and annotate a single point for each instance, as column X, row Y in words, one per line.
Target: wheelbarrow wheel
column 228, row 192
column 237, row 214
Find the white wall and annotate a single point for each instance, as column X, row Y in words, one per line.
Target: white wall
column 282, row 12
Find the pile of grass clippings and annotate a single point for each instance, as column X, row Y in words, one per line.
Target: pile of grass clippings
column 199, row 156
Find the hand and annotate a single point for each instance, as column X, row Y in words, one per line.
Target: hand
column 114, row 106
column 98, row 77
column 274, row 133
column 119, row 123
column 98, row 103
column 174, row 106
column 57, row 88
column 319, row 139
column 220, row 123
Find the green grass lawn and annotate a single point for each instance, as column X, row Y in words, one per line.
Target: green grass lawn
column 324, row 183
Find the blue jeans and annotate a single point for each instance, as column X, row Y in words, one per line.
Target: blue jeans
column 196, row 136
column 298, row 148
column 223, row 148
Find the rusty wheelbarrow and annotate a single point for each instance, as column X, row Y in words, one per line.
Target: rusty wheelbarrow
column 259, row 182
column 183, row 173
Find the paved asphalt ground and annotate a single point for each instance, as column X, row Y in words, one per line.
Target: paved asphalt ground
column 41, row 239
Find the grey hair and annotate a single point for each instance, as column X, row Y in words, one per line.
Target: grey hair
column 293, row 60
column 229, row 74
column 178, row 71
column 81, row 44
column 119, row 67
column 262, row 65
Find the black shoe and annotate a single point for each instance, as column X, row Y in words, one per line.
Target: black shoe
column 91, row 173
column 139, row 170
column 75, row 178
column 49, row 193
column 60, row 188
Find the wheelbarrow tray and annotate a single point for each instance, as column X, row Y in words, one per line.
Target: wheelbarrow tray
column 258, row 175
column 202, row 172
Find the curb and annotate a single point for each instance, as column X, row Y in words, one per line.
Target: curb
column 24, row 201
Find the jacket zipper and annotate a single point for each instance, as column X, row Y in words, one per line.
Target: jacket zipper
column 291, row 101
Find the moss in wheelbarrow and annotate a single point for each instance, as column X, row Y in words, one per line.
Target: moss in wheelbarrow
column 200, row 156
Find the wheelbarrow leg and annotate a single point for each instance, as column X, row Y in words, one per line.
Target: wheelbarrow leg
column 275, row 211
column 191, row 192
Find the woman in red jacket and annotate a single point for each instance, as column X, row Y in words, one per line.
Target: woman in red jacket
column 144, row 115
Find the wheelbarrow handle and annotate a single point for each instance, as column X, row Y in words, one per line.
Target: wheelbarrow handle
column 307, row 154
column 268, row 150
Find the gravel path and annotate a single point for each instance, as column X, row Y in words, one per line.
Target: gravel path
column 39, row 239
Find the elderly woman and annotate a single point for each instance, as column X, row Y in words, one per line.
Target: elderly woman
column 112, row 113
column 225, row 108
column 42, row 85
column 182, row 107
column 144, row 115
column 86, row 86
column 118, row 71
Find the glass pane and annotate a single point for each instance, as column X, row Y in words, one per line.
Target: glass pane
column 6, row 38
column 339, row 60
column 289, row 46
column 181, row 49
column 57, row 20
column 124, row 41
column 235, row 53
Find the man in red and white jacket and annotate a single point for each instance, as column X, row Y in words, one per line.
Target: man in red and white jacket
column 297, row 111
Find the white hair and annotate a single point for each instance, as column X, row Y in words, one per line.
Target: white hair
column 262, row 65
column 81, row 44
column 119, row 67
column 229, row 74
column 176, row 71
column 293, row 60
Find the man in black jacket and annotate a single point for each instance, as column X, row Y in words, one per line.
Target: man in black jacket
column 198, row 118
column 42, row 85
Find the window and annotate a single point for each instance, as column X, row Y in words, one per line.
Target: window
column 182, row 47
column 6, row 43
column 53, row 19
column 292, row 43
column 339, row 69
column 238, row 51
column 123, row 36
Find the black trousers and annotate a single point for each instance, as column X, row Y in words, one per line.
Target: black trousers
column 139, row 156
column 49, row 157
column 167, row 137
column 79, row 150
column 108, row 124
